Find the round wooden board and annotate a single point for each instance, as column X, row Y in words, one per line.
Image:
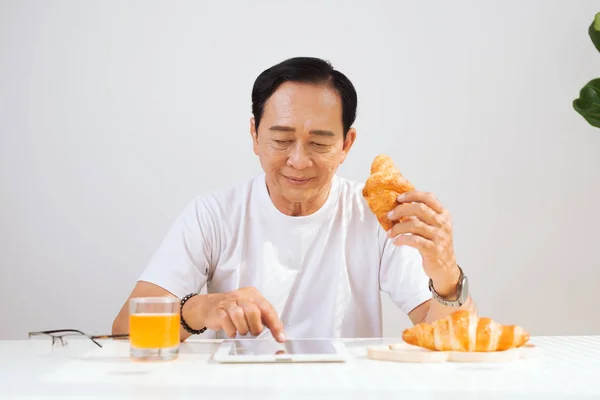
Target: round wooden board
column 402, row 352
column 385, row 353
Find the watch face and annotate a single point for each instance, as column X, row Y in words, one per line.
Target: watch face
column 464, row 289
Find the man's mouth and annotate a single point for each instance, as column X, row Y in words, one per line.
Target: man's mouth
column 297, row 180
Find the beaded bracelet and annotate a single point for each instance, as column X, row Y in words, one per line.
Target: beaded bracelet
column 183, row 323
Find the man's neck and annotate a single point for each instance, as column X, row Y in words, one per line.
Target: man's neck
column 299, row 209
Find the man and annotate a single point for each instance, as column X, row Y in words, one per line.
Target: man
column 296, row 249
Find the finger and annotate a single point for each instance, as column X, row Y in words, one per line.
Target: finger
column 253, row 317
column 419, row 210
column 415, row 196
column 425, row 246
column 271, row 319
column 236, row 313
column 224, row 322
column 415, row 227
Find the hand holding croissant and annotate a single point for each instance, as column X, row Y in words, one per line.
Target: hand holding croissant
column 415, row 219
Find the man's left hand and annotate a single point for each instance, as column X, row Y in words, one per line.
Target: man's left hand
column 423, row 223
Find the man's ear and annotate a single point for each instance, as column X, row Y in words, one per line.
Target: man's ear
column 350, row 138
column 254, row 135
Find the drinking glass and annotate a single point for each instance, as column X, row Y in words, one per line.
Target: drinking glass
column 154, row 328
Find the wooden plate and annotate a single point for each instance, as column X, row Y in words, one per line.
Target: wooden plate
column 402, row 352
column 385, row 353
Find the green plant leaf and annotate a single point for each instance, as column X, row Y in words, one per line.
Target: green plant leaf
column 588, row 103
column 594, row 31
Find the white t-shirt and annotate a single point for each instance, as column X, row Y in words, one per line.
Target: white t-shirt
column 323, row 272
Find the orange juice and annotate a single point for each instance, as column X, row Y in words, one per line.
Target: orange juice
column 153, row 330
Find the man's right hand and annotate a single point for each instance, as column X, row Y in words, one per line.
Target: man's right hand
column 241, row 311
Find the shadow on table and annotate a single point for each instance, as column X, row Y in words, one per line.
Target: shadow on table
column 118, row 351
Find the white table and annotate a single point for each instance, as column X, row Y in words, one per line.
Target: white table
column 569, row 367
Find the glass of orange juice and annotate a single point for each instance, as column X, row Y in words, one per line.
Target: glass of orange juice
column 154, row 328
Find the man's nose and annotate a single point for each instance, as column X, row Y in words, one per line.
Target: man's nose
column 299, row 157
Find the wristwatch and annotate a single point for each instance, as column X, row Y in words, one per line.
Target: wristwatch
column 462, row 291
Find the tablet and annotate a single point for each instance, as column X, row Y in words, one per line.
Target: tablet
column 292, row 350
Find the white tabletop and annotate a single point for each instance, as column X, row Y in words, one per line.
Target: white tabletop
column 568, row 367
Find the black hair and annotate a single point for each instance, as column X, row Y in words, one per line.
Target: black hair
column 304, row 70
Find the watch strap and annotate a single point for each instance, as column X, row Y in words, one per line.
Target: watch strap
column 461, row 292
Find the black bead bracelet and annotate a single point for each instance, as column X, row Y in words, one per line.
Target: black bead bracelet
column 183, row 323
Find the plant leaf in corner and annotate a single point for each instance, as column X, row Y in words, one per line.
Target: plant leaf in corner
column 594, row 31
column 588, row 103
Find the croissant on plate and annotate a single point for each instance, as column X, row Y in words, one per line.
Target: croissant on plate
column 465, row 331
column 383, row 187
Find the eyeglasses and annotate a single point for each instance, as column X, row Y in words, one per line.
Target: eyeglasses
column 58, row 336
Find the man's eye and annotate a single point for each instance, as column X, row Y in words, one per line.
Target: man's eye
column 319, row 144
column 283, row 141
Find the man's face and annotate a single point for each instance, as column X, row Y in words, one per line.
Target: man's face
column 300, row 143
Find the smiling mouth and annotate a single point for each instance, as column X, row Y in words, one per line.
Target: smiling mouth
column 297, row 181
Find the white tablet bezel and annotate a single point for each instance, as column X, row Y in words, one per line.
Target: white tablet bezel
column 222, row 354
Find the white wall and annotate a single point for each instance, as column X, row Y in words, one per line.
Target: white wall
column 113, row 115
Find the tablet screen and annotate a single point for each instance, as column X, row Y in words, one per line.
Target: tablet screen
column 269, row 347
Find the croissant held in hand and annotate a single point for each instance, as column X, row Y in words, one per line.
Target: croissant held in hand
column 465, row 331
column 383, row 187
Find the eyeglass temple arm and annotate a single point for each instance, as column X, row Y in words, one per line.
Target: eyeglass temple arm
column 121, row 336
column 92, row 338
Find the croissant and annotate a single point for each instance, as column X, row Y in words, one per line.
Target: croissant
column 383, row 187
column 465, row 331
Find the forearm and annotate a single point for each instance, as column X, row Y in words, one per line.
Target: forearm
column 121, row 327
column 193, row 312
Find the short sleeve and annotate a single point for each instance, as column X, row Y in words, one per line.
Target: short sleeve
column 401, row 275
column 182, row 261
